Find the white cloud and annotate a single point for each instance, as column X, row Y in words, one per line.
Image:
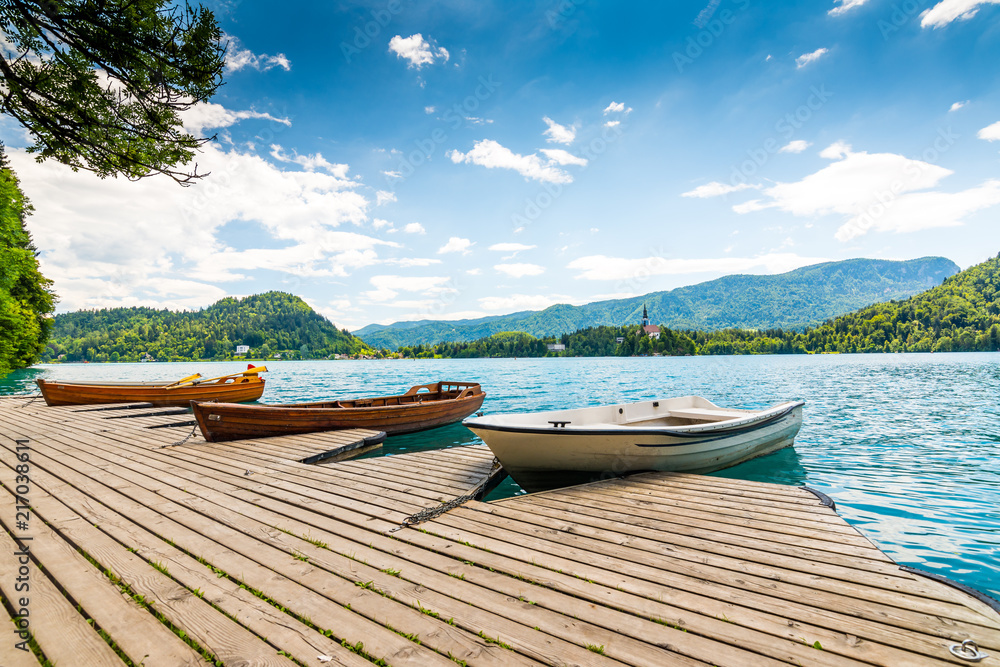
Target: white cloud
column 990, row 132
column 408, row 262
column 378, row 223
column 845, row 6
column 836, row 150
column 947, row 11
column 613, row 123
column 429, row 110
column 309, row 162
column 511, row 247
column 392, row 174
column 518, row 302
column 715, row 189
column 174, row 250
column 561, row 157
column 383, row 197
column 456, row 244
column 559, row 134
column 416, row 50
column 601, row 267
column 807, row 58
column 958, row 105
column 520, row 270
column 238, row 58
column 617, row 107
column 796, row 146
column 414, row 228
column 488, row 153
column 388, row 287
column 208, row 115
column 474, row 272
column 879, row 191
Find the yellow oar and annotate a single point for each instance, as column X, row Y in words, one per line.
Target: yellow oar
column 187, row 379
column 250, row 371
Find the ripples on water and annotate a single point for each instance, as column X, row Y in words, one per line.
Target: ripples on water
column 907, row 445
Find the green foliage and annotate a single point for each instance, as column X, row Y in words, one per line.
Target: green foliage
column 270, row 323
column 960, row 315
column 590, row 342
column 793, row 300
column 26, row 298
column 100, row 85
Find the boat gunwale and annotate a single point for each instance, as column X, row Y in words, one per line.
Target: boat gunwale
column 727, row 427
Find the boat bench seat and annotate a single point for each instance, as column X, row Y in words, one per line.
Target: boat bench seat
column 708, row 414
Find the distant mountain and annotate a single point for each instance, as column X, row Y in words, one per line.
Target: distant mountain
column 793, row 300
column 960, row 315
column 270, row 323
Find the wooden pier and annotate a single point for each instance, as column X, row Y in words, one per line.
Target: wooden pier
column 144, row 545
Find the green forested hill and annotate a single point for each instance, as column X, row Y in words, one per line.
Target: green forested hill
column 792, row 300
column 961, row 315
column 270, row 323
column 26, row 299
column 590, row 342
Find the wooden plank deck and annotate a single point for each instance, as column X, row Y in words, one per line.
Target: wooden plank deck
column 238, row 553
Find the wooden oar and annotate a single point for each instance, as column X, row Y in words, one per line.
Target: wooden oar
column 187, row 379
column 250, row 371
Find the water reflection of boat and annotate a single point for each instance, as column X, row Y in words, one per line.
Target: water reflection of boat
column 236, row 387
column 544, row 450
column 422, row 407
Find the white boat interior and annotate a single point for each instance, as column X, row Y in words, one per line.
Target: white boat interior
column 684, row 413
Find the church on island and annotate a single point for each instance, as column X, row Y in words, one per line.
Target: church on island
column 650, row 330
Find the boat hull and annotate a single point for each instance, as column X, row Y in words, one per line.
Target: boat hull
column 243, row 389
column 223, row 421
column 555, row 457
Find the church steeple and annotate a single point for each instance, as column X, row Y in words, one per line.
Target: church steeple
column 645, row 316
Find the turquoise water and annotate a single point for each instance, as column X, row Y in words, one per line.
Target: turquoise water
column 907, row 445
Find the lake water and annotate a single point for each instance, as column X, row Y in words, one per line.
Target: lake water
column 907, row 445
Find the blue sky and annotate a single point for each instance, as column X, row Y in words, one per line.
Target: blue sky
column 396, row 160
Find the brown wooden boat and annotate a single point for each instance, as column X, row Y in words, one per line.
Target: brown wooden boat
column 422, row 407
column 236, row 387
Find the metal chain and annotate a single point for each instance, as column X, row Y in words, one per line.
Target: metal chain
column 34, row 397
column 434, row 512
column 181, row 442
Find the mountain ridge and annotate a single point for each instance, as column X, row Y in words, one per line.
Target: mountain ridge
column 796, row 299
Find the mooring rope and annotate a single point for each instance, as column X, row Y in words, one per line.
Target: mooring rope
column 434, row 512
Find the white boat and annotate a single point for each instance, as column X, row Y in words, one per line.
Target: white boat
column 545, row 450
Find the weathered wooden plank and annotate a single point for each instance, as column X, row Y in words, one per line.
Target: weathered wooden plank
column 62, row 633
column 136, row 631
column 225, row 548
column 664, row 520
column 621, row 491
column 888, row 625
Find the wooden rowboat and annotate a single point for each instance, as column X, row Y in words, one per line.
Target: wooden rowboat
column 545, row 450
column 422, row 407
column 236, row 387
